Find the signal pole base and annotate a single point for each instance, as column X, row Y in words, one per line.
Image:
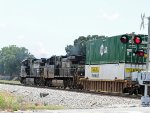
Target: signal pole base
column 145, row 101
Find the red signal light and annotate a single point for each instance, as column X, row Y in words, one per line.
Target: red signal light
column 124, row 39
column 137, row 40
column 140, row 53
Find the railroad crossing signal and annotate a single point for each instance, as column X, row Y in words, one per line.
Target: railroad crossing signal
column 124, row 39
column 137, row 40
column 140, row 53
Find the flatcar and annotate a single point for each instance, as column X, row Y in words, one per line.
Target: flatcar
column 111, row 62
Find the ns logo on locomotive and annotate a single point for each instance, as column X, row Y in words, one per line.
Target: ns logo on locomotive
column 109, row 65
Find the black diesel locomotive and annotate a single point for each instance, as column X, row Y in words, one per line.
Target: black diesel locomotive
column 43, row 71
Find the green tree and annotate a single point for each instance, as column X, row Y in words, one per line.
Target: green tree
column 10, row 59
column 79, row 46
column 68, row 48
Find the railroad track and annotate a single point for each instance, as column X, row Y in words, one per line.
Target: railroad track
column 81, row 91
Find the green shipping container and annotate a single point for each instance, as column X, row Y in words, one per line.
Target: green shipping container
column 112, row 50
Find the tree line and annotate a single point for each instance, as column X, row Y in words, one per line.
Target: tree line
column 11, row 58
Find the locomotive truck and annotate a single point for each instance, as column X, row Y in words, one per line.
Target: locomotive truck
column 109, row 66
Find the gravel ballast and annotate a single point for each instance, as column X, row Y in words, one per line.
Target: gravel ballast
column 70, row 100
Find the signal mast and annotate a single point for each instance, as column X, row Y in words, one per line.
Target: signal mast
column 145, row 76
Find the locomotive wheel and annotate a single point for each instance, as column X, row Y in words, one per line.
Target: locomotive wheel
column 135, row 91
column 48, row 83
column 131, row 91
column 125, row 90
column 79, row 86
column 23, row 80
column 39, row 81
column 65, row 84
column 68, row 83
column 141, row 90
column 35, row 81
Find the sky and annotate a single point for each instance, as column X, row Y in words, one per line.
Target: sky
column 46, row 27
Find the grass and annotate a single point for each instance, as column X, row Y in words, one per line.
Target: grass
column 9, row 82
column 40, row 107
column 10, row 102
